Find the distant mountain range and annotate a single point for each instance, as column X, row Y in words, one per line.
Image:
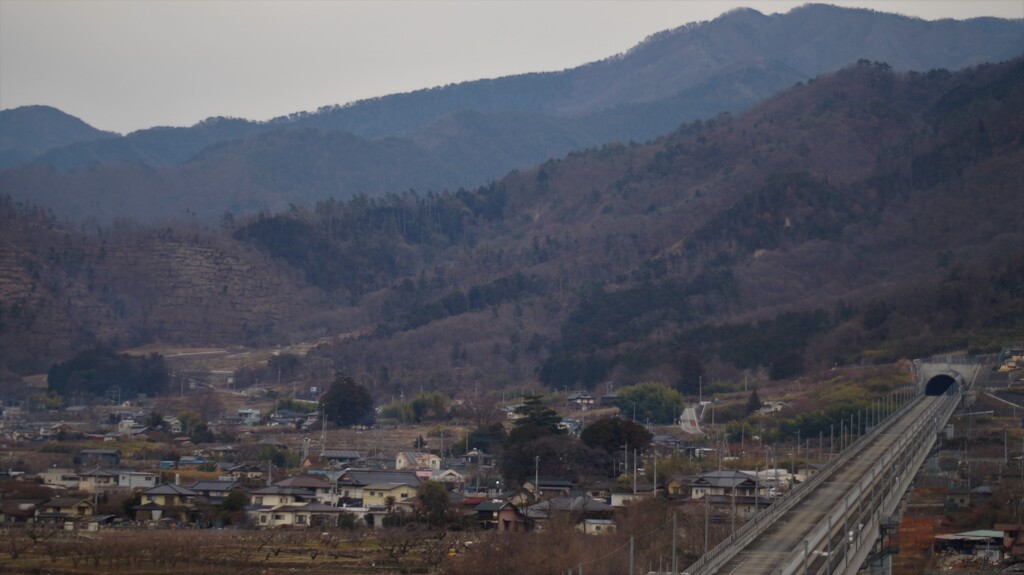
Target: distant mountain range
column 465, row 134
column 30, row 131
column 864, row 215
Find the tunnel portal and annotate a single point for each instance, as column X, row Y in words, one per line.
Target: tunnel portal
column 940, row 384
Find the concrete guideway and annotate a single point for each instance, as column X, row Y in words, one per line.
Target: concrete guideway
column 828, row 524
column 689, row 422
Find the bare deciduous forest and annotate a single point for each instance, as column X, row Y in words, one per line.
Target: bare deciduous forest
column 864, row 216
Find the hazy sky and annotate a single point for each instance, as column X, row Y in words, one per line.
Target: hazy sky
column 124, row 65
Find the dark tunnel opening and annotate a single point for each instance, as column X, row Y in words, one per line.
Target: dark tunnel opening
column 939, row 385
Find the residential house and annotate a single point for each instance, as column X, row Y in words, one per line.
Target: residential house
column 623, row 498
column 596, row 526
column 323, row 488
column 571, row 426
column 275, row 495
column 248, row 473
column 249, row 416
column 732, row 491
column 98, row 480
column 512, row 411
column 448, row 477
column 19, row 510
column 136, row 479
column 980, row 495
column 287, row 417
column 957, row 498
column 340, row 458
column 380, row 462
column 1013, row 537
column 172, row 424
column 229, row 420
column 55, row 430
column 100, row 457
column 67, row 478
column 601, row 490
column 353, row 483
column 581, row 399
column 129, row 428
column 167, row 500
column 61, row 509
column 190, row 462
column 664, row 445
column 502, row 516
column 985, row 544
column 309, row 514
column 772, row 407
column 224, row 452
column 213, row 492
column 584, row 506
column 549, row 487
column 676, row 486
column 385, row 494
column 417, row 460
column 726, row 482
column 477, row 457
column 773, row 481
column 807, row 470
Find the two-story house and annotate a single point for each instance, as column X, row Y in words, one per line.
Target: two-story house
column 133, row 480
column 581, row 399
column 98, row 480
column 100, row 457
column 213, row 492
column 61, row 509
column 274, row 495
column 322, row 487
column 417, row 460
column 309, row 514
column 381, row 494
column 730, row 490
column 62, row 477
column 353, row 483
column 167, row 500
column 248, row 473
column 725, row 482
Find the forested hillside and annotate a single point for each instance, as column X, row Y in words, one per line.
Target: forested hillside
column 467, row 134
column 865, row 215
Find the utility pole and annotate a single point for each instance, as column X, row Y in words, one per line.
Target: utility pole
column 675, row 568
column 323, row 432
column 634, row 472
column 536, row 475
column 707, row 520
column 632, row 562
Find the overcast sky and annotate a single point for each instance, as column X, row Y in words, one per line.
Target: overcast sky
column 125, row 65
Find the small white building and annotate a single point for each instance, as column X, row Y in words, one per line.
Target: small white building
column 250, row 416
column 417, row 460
column 596, row 526
column 63, row 477
column 772, row 407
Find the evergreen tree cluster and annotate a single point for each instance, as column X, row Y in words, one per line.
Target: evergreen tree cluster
column 102, row 372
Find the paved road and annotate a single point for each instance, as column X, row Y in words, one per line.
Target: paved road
column 766, row 553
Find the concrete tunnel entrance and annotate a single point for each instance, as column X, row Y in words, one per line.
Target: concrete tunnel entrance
column 939, row 384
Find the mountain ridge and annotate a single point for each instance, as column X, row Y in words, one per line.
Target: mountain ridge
column 810, row 213
column 697, row 70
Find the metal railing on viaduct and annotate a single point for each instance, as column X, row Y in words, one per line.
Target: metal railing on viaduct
column 829, row 523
